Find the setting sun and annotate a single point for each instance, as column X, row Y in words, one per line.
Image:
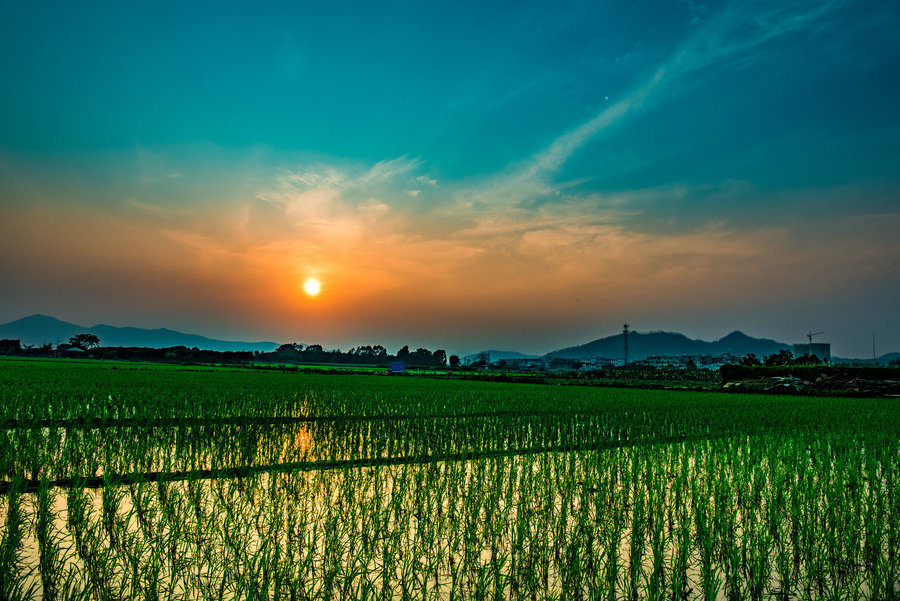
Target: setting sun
column 312, row 286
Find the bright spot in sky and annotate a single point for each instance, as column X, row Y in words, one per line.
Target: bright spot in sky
column 312, row 286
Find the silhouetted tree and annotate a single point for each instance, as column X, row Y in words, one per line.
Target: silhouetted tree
column 291, row 347
column 750, row 360
column 85, row 342
column 454, row 360
column 10, row 347
column 783, row 357
column 807, row 359
column 439, row 357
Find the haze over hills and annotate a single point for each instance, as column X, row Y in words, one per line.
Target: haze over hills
column 496, row 355
column 39, row 329
column 43, row 329
column 643, row 345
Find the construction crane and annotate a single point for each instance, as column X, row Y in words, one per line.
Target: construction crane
column 810, row 337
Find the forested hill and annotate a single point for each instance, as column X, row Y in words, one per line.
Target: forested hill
column 643, row 345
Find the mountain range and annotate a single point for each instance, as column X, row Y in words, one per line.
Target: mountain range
column 495, row 355
column 38, row 330
column 42, row 329
column 641, row 346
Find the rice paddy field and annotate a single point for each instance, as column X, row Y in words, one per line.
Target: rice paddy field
column 132, row 481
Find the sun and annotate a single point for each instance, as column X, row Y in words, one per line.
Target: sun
column 312, row 286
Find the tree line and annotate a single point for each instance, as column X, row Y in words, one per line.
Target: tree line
column 88, row 345
column 779, row 359
column 361, row 355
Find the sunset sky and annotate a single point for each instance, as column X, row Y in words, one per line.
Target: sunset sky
column 457, row 175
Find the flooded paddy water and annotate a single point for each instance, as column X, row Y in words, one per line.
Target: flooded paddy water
column 559, row 493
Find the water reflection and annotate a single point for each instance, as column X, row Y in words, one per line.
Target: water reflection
column 228, row 446
column 566, row 525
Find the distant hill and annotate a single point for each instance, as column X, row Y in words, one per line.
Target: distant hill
column 498, row 355
column 643, row 345
column 882, row 360
column 43, row 329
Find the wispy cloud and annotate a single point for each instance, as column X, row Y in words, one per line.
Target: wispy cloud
column 552, row 158
column 732, row 35
column 523, row 220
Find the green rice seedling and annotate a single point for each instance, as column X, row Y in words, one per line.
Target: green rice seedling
column 732, row 556
column 612, row 537
column 778, row 521
column 892, row 524
column 678, row 524
column 659, row 537
column 13, row 574
column 705, row 521
column 784, row 562
column 92, row 545
column 759, row 567
column 76, row 508
column 50, row 562
column 634, row 582
column 878, row 574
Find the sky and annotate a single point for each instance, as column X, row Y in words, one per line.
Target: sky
column 508, row 175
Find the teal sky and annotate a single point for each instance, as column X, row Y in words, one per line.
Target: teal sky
column 522, row 175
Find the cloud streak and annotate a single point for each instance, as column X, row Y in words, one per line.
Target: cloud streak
column 733, row 35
